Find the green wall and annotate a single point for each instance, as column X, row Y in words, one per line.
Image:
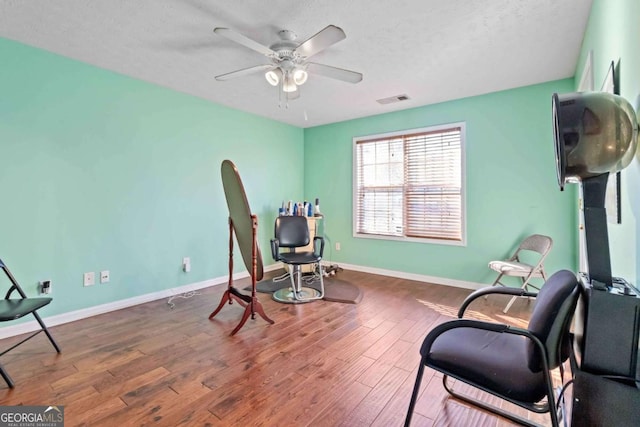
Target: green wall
column 103, row 172
column 511, row 185
column 613, row 33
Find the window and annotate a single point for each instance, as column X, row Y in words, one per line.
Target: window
column 409, row 185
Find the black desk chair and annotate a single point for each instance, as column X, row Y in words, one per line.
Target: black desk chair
column 509, row 362
column 292, row 233
column 15, row 308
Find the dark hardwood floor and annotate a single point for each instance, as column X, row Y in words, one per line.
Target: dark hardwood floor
column 320, row 364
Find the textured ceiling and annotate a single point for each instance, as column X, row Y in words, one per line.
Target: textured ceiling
column 431, row 50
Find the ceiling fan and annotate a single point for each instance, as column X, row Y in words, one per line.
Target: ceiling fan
column 289, row 66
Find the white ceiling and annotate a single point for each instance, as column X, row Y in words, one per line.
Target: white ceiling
column 431, row 50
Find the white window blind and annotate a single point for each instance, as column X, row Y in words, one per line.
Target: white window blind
column 410, row 184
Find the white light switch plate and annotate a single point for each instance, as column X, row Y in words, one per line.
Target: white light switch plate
column 89, row 279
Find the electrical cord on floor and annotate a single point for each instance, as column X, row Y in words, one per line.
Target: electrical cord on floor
column 280, row 278
column 312, row 278
column 182, row 295
column 560, row 401
column 309, row 279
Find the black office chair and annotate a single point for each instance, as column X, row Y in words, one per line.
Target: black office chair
column 15, row 308
column 509, row 362
column 292, row 233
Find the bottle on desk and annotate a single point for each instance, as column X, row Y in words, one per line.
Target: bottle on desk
column 316, row 210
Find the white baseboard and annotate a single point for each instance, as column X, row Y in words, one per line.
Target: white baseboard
column 412, row 276
column 72, row 316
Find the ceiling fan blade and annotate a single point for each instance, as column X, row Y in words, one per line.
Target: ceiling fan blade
column 244, row 72
column 334, row 72
column 322, row 40
column 244, row 41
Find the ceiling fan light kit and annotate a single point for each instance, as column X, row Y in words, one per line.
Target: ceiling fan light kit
column 289, row 81
column 273, row 76
column 300, row 76
column 289, row 68
column 288, row 85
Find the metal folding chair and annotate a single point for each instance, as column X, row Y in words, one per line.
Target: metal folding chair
column 516, row 267
column 15, row 308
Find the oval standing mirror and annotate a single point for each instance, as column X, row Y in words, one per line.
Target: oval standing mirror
column 240, row 215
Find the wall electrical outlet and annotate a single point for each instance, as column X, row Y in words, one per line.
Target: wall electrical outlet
column 45, row 287
column 186, row 264
column 104, row 276
column 89, row 279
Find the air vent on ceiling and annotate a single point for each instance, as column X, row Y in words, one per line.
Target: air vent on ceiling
column 393, row 99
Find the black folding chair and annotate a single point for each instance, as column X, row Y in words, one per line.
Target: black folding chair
column 15, row 308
